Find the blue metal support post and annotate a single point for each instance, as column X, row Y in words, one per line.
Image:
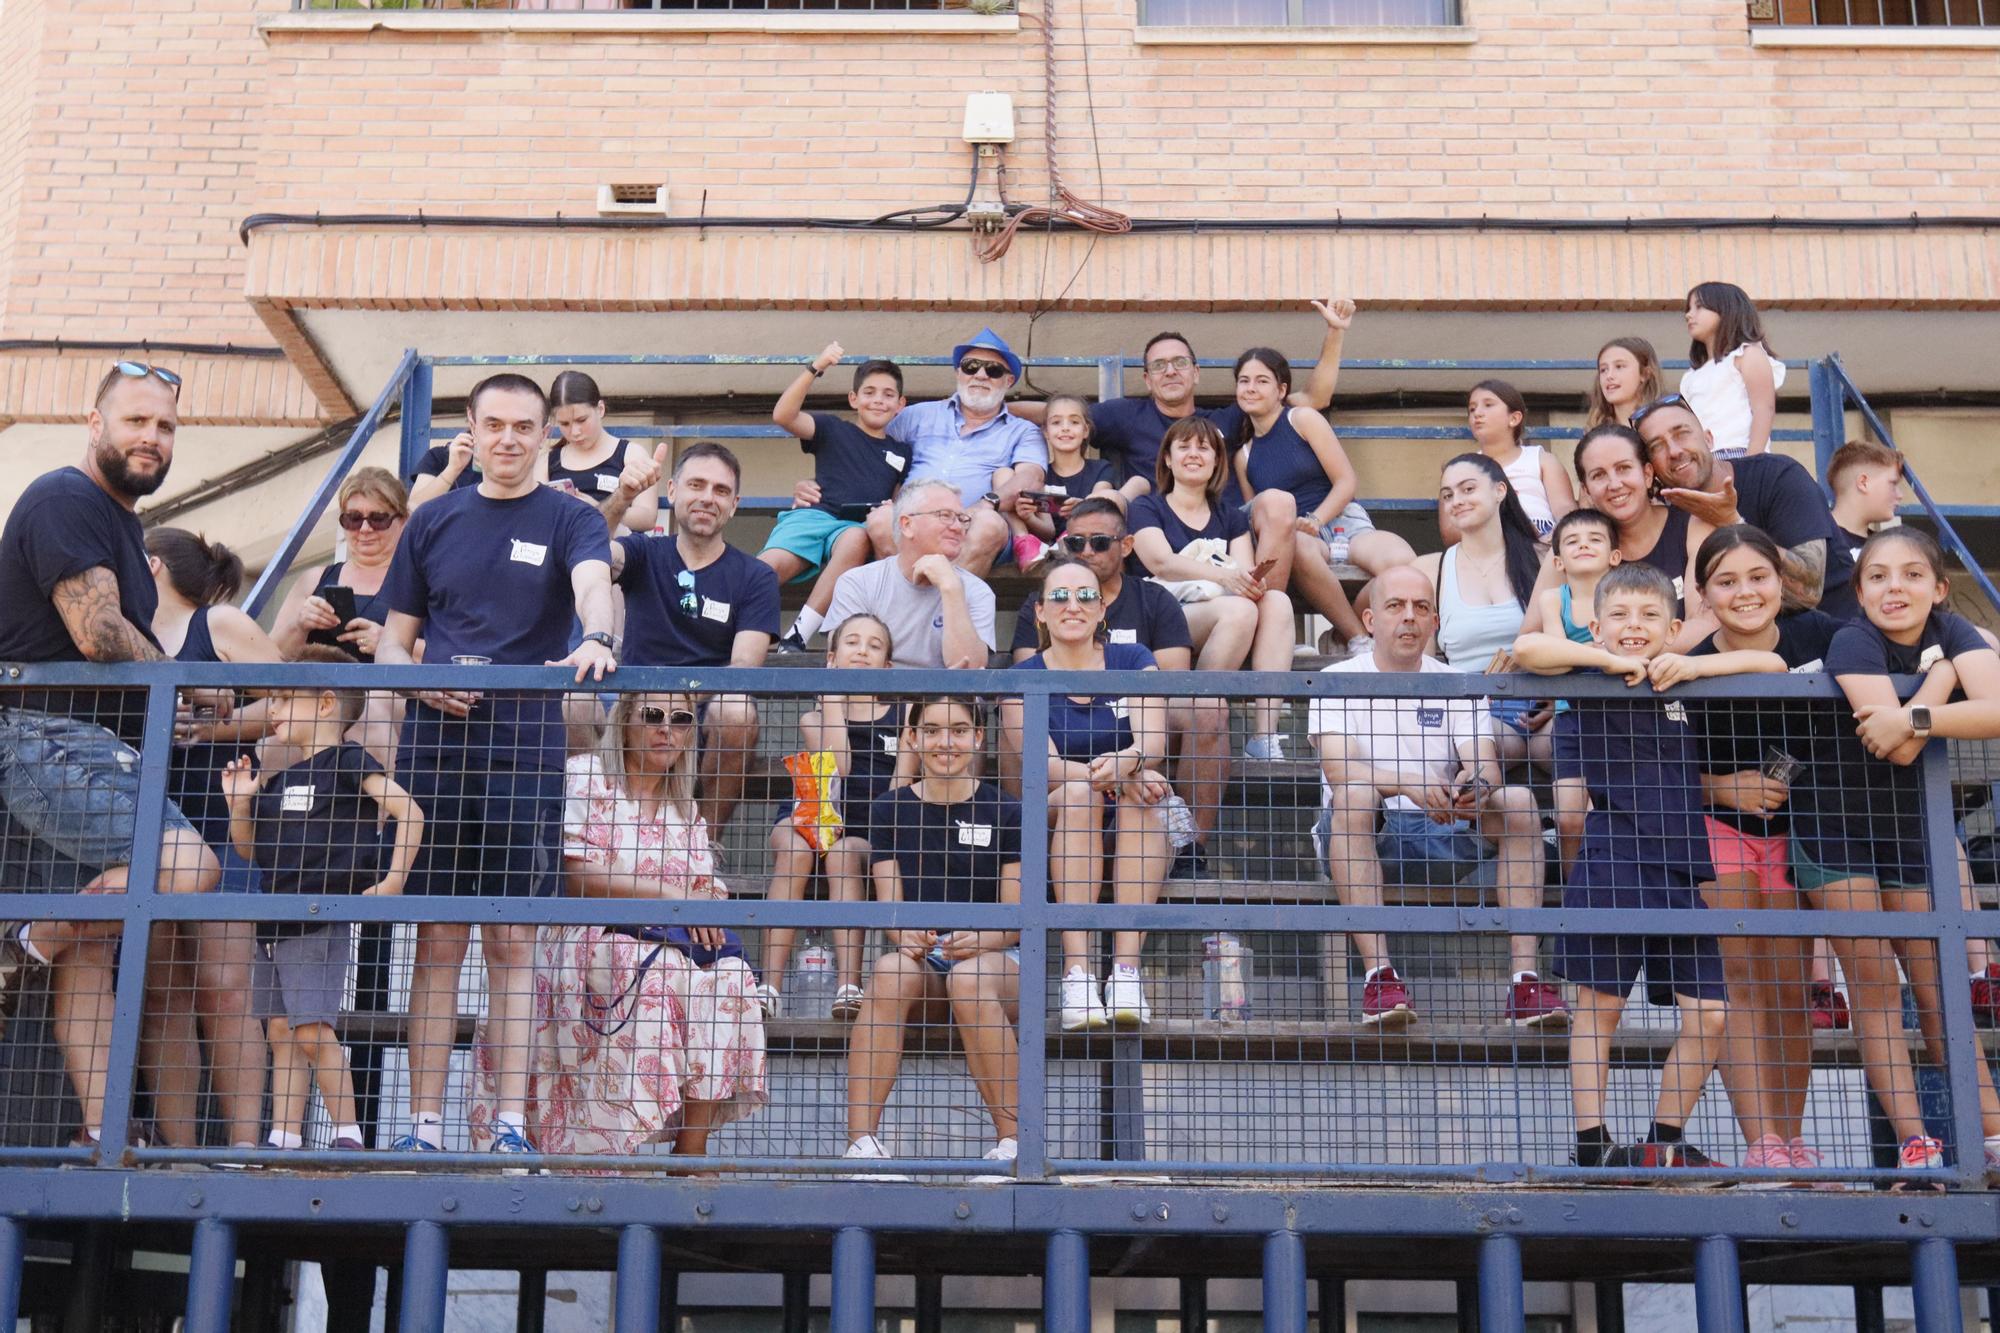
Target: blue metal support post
column 853, row 1281
column 1947, row 908
column 416, row 415
column 1829, row 416
column 1934, row 1286
column 1718, row 1286
column 1502, row 1299
column 638, row 1279
column 1066, row 1283
column 13, row 1269
column 211, row 1290
column 426, row 1275
column 1284, row 1283
column 1031, row 1038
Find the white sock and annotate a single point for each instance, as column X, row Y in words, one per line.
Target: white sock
column 807, row 624
column 29, row 945
column 1077, row 974
column 284, row 1138
column 95, row 1133
column 513, row 1120
column 427, row 1127
column 1526, row 976
column 347, row 1132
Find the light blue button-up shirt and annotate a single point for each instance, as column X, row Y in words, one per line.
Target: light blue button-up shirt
column 939, row 446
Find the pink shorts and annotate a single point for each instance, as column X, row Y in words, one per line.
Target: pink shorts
column 1735, row 852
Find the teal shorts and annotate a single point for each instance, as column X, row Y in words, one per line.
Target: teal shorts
column 1810, row 875
column 808, row 534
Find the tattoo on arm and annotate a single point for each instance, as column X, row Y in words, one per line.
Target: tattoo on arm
column 88, row 605
column 1804, row 574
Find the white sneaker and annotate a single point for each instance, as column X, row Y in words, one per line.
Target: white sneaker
column 1081, row 1010
column 767, row 995
column 847, row 1003
column 864, row 1148
column 1004, row 1151
column 1264, row 747
column 1125, row 998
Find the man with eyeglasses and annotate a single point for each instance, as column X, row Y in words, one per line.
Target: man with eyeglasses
column 973, row 441
column 492, row 573
column 1767, row 490
column 693, row 600
column 75, row 587
column 938, row 613
column 1141, row 611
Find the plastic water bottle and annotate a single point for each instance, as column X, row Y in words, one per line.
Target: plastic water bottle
column 1337, row 546
column 1179, row 820
column 809, row 993
column 1225, row 977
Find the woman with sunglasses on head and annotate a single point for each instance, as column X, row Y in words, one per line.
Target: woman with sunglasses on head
column 585, row 459
column 863, row 734
column 1104, row 783
column 1200, row 548
column 645, row 1033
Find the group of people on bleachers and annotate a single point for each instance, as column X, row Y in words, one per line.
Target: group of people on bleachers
column 1187, row 544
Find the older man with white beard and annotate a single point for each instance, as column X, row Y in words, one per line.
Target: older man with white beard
column 972, row 441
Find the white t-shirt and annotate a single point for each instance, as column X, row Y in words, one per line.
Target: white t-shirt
column 1524, row 474
column 1419, row 739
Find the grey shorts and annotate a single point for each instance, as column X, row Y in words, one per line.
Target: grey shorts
column 303, row 978
column 69, row 793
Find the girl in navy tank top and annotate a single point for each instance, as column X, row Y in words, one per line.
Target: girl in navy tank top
column 587, row 460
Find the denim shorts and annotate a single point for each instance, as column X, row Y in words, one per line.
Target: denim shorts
column 70, row 793
column 1412, row 838
column 942, row 965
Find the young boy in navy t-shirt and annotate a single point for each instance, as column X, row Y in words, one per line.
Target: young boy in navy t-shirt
column 856, row 467
column 1645, row 847
column 314, row 828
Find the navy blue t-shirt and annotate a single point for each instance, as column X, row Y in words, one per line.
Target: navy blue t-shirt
column 433, row 464
column 492, row 578
column 851, row 466
column 1225, row 521
column 1862, row 813
column 1641, row 760
column 1143, row 613
column 1839, row 601
column 675, row 616
column 64, row 524
column 316, row 828
column 1281, row 460
column 1738, row 734
column 952, row 853
column 1776, row 494
column 1084, row 728
column 1129, row 430
column 1077, row 485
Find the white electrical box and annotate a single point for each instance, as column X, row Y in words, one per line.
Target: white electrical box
column 989, row 118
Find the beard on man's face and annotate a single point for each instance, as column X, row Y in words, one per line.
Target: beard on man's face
column 117, row 469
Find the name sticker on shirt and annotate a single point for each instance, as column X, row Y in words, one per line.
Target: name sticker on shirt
column 1121, row 709
column 1049, row 488
column 1931, row 657
column 1430, row 717
column 606, row 483
column 891, row 743
column 1677, row 587
column 1807, row 668
column 896, row 462
column 1124, row 636
column 1677, row 712
column 714, row 610
column 298, row 800
column 528, row 553
column 974, row 835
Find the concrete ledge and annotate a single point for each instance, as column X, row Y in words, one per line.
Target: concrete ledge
column 1193, row 35
column 1860, row 38
column 649, row 23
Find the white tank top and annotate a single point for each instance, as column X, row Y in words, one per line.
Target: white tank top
column 1721, row 399
column 1524, row 474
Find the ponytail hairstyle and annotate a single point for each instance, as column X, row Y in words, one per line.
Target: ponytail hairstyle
column 1517, row 531
column 573, row 388
column 202, row 571
column 1273, row 361
column 1739, row 322
column 1511, row 399
column 1724, row 540
column 1601, row 411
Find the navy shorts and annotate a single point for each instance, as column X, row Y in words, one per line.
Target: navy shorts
column 491, row 829
column 1686, row 965
column 69, row 801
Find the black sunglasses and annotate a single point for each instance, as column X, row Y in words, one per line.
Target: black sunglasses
column 352, row 521
column 1640, row 413
column 992, row 370
column 1097, row 542
column 653, row 715
column 138, row 370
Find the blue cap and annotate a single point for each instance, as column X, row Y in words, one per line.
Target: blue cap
column 989, row 339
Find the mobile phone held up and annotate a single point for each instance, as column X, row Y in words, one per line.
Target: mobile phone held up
column 341, row 599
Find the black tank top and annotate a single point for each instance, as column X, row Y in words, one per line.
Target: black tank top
column 199, row 645
column 194, row 775
column 367, row 605
column 594, row 483
column 871, row 763
column 1670, row 554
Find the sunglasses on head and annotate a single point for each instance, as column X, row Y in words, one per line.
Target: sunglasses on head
column 653, row 715
column 1096, row 542
column 1081, row 596
column 138, row 370
column 992, row 370
column 353, row 519
column 1639, row 414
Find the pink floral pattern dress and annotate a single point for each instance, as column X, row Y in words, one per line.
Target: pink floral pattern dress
column 626, row 1030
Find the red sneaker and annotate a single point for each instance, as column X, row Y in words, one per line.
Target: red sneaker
column 1829, row 1008
column 1385, row 1000
column 1534, row 1003
column 1986, row 997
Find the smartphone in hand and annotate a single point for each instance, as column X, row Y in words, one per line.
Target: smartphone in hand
column 341, row 599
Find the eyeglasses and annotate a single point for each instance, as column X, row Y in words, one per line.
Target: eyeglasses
column 689, row 603
column 992, row 370
column 679, row 719
column 1639, row 414
column 1096, row 542
column 1167, row 363
column 958, row 516
column 138, row 370
column 352, row 520
column 1081, row 596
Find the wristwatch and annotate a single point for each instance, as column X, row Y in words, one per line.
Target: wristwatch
column 992, row 498
column 1920, row 721
column 599, row 636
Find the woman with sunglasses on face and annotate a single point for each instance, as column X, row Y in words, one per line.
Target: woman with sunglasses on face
column 1191, row 541
column 1103, row 787
column 645, row 1033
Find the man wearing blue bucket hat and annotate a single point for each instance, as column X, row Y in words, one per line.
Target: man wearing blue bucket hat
column 971, row 440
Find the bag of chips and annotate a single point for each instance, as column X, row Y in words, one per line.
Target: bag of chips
column 814, row 812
